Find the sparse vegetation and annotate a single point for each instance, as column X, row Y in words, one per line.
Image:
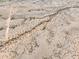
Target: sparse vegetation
column 2, row 0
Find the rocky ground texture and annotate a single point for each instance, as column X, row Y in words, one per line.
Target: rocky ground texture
column 39, row 29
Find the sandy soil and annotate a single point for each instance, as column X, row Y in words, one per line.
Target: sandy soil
column 39, row 29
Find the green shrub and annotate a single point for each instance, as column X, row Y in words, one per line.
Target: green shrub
column 3, row 0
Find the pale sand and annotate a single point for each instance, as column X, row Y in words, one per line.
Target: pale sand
column 39, row 30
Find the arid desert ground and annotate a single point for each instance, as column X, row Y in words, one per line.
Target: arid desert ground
column 39, row 29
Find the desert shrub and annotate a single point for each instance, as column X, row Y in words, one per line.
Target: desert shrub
column 4, row 0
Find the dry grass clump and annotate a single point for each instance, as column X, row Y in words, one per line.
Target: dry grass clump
column 12, row 11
